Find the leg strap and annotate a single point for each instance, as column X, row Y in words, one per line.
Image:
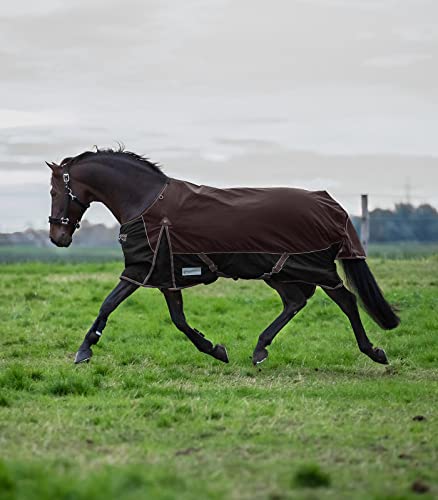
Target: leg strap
column 214, row 269
column 277, row 267
column 211, row 265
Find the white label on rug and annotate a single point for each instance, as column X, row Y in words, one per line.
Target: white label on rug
column 191, row 271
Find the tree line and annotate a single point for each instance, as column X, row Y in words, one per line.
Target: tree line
column 404, row 223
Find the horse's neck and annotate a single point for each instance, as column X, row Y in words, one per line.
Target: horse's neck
column 126, row 190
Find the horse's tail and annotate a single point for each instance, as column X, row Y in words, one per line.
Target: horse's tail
column 361, row 280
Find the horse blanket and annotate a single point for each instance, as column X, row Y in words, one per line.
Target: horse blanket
column 194, row 234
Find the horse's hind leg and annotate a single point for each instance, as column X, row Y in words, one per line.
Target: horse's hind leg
column 176, row 309
column 348, row 303
column 294, row 298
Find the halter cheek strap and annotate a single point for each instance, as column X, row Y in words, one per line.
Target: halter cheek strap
column 69, row 197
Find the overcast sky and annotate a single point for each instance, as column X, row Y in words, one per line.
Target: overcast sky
column 324, row 94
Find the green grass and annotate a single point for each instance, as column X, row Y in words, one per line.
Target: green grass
column 151, row 417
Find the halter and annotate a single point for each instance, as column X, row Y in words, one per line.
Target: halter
column 69, row 197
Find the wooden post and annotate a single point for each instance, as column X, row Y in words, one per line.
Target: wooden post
column 365, row 223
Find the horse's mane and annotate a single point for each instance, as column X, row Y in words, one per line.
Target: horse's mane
column 114, row 153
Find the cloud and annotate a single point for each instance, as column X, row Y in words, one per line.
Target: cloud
column 397, row 60
column 10, row 118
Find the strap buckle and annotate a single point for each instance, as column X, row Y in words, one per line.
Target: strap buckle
column 65, row 221
column 66, row 178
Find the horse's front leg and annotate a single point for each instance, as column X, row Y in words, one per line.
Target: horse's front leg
column 123, row 290
column 176, row 309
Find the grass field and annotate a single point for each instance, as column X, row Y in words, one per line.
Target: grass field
column 151, row 417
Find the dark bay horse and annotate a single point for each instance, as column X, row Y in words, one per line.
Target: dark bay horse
column 175, row 234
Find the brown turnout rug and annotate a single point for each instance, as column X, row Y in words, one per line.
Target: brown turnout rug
column 194, row 234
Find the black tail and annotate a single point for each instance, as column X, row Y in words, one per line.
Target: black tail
column 361, row 280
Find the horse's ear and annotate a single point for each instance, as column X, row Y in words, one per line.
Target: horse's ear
column 52, row 166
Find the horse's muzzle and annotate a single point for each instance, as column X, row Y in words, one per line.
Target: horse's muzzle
column 64, row 240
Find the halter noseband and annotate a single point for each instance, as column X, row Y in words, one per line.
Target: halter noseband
column 69, row 197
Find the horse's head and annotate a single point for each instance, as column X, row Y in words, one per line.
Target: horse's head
column 67, row 207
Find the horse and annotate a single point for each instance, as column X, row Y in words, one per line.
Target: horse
column 175, row 234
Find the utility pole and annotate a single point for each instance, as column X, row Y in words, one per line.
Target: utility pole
column 365, row 223
column 408, row 189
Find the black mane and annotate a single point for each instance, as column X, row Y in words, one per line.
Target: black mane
column 102, row 153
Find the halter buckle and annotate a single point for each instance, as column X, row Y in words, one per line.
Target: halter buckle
column 65, row 221
column 66, row 178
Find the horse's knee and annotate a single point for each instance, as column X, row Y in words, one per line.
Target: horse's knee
column 179, row 321
column 292, row 308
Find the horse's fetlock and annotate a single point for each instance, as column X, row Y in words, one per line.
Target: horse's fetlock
column 101, row 323
column 198, row 332
column 263, row 342
column 366, row 349
column 93, row 338
column 206, row 347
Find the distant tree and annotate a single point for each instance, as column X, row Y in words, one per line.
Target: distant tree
column 426, row 223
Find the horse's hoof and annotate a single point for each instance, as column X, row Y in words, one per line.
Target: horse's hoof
column 219, row 352
column 379, row 356
column 83, row 356
column 259, row 356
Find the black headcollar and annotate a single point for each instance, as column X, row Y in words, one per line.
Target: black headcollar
column 69, row 197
